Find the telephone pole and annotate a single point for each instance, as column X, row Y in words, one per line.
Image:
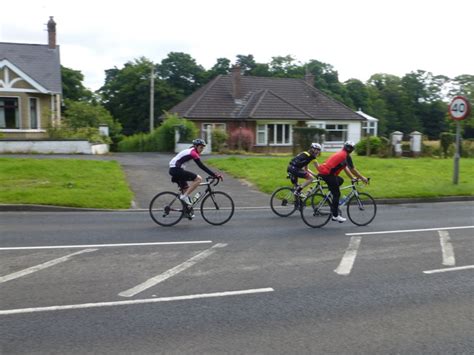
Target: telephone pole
column 152, row 97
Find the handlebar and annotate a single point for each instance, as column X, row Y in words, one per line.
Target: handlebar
column 213, row 180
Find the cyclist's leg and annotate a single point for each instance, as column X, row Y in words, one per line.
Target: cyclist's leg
column 333, row 183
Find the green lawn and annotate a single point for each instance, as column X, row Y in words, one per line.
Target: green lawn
column 390, row 178
column 64, row 182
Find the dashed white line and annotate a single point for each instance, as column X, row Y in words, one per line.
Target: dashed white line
column 345, row 266
column 106, row 245
column 43, row 266
column 446, row 248
column 132, row 302
column 171, row 272
column 458, row 268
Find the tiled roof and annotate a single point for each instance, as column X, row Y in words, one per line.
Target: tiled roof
column 262, row 98
column 39, row 62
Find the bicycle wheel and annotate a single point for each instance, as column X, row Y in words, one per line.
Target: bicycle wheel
column 282, row 201
column 316, row 210
column 217, row 208
column 166, row 209
column 361, row 209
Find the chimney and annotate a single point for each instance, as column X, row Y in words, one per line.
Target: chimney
column 51, row 33
column 236, row 89
column 309, row 78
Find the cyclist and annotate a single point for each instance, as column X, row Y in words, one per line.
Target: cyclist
column 329, row 172
column 181, row 176
column 298, row 166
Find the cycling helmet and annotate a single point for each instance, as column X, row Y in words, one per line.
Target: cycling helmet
column 199, row 141
column 316, row 146
column 349, row 146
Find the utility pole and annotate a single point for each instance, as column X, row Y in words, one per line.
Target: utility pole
column 152, row 97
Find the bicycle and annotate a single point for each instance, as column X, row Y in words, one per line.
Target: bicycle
column 217, row 207
column 361, row 207
column 284, row 202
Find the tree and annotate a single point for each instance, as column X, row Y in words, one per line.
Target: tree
column 247, row 63
column 358, row 93
column 73, row 89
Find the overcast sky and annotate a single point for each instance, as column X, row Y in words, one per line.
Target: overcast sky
column 357, row 37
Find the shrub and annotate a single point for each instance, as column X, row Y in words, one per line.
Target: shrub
column 304, row 136
column 372, row 141
column 241, row 138
column 219, row 138
column 91, row 134
column 446, row 140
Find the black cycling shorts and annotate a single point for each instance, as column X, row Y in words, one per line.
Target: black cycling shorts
column 181, row 177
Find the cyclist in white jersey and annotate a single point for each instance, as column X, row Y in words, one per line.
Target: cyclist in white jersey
column 182, row 176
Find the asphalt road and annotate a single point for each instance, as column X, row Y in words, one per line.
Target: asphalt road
column 116, row 283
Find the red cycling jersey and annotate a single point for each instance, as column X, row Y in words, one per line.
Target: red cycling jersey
column 335, row 163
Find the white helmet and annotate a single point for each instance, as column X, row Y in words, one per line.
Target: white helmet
column 316, row 146
column 349, row 146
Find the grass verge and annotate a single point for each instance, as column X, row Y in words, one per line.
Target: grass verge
column 64, row 182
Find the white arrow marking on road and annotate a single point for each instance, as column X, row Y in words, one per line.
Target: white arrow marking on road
column 171, row 272
column 39, row 267
column 345, row 266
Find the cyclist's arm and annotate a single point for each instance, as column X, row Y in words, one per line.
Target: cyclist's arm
column 203, row 167
column 355, row 172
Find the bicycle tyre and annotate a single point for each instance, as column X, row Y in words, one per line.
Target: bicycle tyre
column 361, row 209
column 282, row 201
column 166, row 209
column 316, row 211
column 217, row 208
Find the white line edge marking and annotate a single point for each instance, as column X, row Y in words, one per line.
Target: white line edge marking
column 347, row 261
column 171, row 272
column 132, row 302
column 42, row 266
column 410, row 230
column 458, row 268
column 106, row 245
column 446, row 248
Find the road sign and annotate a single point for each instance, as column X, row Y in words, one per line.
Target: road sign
column 459, row 108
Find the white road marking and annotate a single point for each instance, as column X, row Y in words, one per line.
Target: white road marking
column 106, row 245
column 446, row 248
column 132, row 302
column 345, row 266
column 410, row 230
column 458, row 268
column 43, row 266
column 171, row 272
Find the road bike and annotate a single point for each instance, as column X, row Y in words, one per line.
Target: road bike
column 216, row 207
column 360, row 207
column 285, row 201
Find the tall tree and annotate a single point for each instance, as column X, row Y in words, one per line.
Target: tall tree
column 73, row 88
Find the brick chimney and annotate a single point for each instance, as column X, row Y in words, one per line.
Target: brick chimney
column 236, row 87
column 309, row 78
column 51, row 33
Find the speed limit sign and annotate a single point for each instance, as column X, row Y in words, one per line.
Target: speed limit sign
column 459, row 108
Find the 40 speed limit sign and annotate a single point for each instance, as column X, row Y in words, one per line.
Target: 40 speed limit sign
column 459, row 108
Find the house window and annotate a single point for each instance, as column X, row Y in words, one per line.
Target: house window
column 336, row 132
column 213, row 126
column 9, row 113
column 274, row 134
column 368, row 128
column 33, row 113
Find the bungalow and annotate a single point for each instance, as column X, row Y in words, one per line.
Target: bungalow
column 30, row 87
column 271, row 108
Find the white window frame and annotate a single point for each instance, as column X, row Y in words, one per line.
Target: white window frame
column 262, row 133
column 216, row 125
column 17, row 117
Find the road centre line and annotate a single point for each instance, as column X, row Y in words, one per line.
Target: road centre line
column 171, row 272
column 347, row 261
column 446, row 248
column 42, row 266
column 106, row 245
column 410, row 230
column 132, row 302
column 458, row 268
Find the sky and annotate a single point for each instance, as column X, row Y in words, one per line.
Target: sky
column 358, row 38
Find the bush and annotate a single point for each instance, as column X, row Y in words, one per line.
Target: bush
column 91, row 134
column 374, row 143
column 446, row 140
column 241, row 138
column 304, row 136
column 219, row 138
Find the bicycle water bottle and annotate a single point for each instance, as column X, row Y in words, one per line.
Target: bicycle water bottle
column 196, row 197
column 342, row 200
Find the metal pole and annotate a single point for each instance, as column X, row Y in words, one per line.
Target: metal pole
column 457, row 154
column 152, row 98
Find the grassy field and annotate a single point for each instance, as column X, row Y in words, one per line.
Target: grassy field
column 390, row 178
column 68, row 182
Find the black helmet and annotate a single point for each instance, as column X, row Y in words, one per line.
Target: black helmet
column 349, row 146
column 199, row 141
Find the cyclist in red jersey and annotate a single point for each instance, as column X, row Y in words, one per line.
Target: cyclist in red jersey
column 329, row 172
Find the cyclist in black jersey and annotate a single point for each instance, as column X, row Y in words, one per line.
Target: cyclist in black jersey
column 298, row 167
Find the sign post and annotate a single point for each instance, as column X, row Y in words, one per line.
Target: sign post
column 459, row 109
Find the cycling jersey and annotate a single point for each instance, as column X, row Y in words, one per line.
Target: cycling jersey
column 186, row 155
column 302, row 160
column 335, row 163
